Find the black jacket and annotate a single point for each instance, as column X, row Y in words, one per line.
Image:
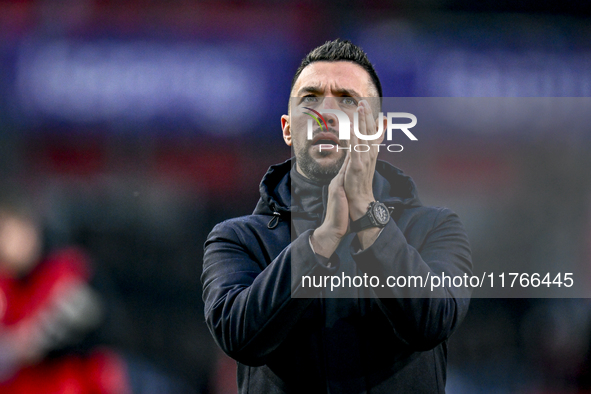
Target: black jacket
column 291, row 339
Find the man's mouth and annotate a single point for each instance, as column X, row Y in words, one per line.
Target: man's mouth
column 325, row 142
column 325, row 139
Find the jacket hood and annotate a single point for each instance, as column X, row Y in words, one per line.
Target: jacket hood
column 390, row 186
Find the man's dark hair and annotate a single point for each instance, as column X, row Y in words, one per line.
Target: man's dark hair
column 340, row 50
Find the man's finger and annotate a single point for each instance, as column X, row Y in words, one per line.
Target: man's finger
column 339, row 179
column 358, row 155
column 345, row 163
column 371, row 126
column 343, row 170
column 361, row 113
column 354, row 141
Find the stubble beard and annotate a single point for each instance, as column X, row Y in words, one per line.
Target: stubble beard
column 312, row 169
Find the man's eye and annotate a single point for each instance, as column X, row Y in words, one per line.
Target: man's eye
column 309, row 99
column 349, row 101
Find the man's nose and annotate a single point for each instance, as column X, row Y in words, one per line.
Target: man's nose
column 330, row 103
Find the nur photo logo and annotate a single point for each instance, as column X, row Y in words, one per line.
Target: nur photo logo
column 345, row 129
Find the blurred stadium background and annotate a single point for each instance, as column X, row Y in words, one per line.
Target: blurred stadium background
column 115, row 120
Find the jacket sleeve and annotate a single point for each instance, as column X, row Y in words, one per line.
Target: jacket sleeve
column 421, row 316
column 249, row 307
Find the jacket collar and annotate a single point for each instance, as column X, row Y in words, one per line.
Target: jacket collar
column 391, row 187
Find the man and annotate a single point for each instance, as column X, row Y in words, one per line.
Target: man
column 335, row 212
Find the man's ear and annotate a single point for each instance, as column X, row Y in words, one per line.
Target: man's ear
column 286, row 129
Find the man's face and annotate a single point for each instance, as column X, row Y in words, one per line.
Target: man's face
column 323, row 85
